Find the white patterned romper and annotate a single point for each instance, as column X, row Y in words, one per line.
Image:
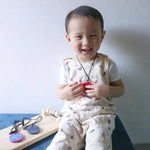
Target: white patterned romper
column 86, row 122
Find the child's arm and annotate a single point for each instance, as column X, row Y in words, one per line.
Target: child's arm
column 115, row 89
column 69, row 92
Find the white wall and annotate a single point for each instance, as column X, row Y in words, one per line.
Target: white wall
column 32, row 45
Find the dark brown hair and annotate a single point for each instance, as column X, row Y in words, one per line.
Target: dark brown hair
column 86, row 11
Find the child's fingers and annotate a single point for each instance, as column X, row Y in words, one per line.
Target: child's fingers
column 79, row 94
column 90, row 93
column 78, row 90
column 77, row 86
column 73, row 84
column 90, row 86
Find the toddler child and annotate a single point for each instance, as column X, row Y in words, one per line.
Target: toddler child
column 88, row 82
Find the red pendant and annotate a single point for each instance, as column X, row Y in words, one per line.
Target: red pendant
column 85, row 84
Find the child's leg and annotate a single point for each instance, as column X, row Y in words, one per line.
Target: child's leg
column 99, row 133
column 69, row 135
column 60, row 141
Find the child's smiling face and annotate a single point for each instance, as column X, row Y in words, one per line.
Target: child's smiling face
column 85, row 36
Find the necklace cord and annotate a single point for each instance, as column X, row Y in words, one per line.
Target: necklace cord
column 38, row 119
column 25, row 123
column 87, row 74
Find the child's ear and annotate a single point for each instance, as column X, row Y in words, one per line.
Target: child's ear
column 68, row 37
column 103, row 34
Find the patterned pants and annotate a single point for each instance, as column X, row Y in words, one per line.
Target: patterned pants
column 93, row 134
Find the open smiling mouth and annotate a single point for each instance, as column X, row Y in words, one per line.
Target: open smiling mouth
column 87, row 50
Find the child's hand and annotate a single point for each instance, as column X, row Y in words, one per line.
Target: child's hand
column 74, row 90
column 96, row 90
column 115, row 89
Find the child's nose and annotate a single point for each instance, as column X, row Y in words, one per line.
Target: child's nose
column 86, row 41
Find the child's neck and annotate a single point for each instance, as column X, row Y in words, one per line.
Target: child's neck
column 86, row 60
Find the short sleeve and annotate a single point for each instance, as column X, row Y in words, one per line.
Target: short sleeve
column 113, row 72
column 62, row 75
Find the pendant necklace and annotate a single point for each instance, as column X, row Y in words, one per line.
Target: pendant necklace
column 87, row 74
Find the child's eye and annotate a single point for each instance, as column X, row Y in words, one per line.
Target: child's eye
column 93, row 35
column 78, row 37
